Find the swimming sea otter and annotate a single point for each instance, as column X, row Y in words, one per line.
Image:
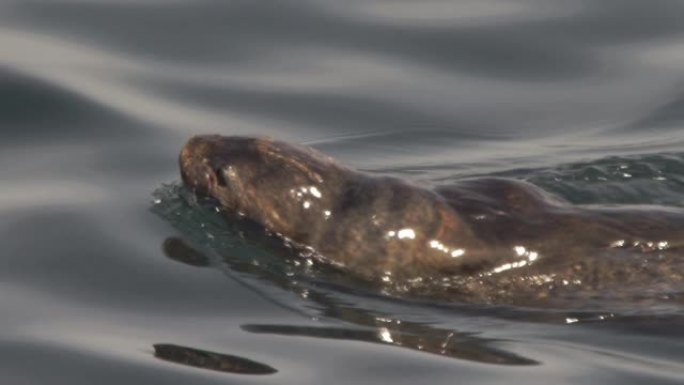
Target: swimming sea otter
column 486, row 239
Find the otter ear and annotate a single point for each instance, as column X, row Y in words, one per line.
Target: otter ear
column 220, row 178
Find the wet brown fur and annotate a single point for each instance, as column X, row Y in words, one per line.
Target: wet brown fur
column 463, row 235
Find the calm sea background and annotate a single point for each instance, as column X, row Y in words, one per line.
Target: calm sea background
column 584, row 98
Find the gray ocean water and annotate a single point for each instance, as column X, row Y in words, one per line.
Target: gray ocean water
column 108, row 276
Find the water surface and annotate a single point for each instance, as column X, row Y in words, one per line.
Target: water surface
column 584, row 98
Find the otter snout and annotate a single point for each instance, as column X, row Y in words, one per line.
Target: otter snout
column 203, row 157
column 194, row 163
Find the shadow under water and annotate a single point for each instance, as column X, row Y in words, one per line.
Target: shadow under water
column 210, row 360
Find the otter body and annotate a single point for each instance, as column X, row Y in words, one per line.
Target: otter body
column 482, row 239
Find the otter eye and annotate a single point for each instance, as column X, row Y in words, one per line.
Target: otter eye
column 220, row 179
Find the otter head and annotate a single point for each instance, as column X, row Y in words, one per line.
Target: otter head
column 204, row 161
column 266, row 180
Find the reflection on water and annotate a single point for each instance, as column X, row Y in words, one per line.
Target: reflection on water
column 448, row 343
column 210, row 360
column 370, row 327
column 176, row 249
